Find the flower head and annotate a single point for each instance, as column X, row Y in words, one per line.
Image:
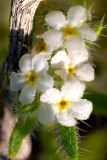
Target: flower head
column 42, row 49
column 65, row 27
column 74, row 63
column 32, row 76
column 66, row 105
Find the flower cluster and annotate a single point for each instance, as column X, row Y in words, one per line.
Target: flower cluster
column 62, row 49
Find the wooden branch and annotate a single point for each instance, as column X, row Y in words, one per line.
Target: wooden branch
column 21, row 23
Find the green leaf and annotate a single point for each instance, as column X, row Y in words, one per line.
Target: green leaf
column 19, row 108
column 69, row 140
column 24, row 109
column 20, row 131
column 99, row 28
column 99, row 101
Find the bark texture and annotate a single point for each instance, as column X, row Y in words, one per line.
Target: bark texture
column 21, row 23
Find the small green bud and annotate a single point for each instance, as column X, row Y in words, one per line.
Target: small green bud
column 99, row 28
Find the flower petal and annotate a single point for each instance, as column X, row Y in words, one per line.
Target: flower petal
column 25, row 63
column 85, row 72
column 53, row 38
column 62, row 73
column 39, row 65
column 76, row 50
column 65, row 118
column 73, row 89
column 77, row 58
column 17, row 81
column 44, row 83
column 56, row 19
column 87, row 33
column 50, row 96
column 76, row 16
column 28, row 94
column 60, row 59
column 45, row 114
column 82, row 109
column 74, row 45
column 46, row 55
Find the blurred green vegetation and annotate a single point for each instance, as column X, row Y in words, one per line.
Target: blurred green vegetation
column 94, row 144
column 4, row 29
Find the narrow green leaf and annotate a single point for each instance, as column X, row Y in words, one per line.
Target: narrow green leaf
column 20, row 131
column 99, row 101
column 99, row 28
column 69, row 140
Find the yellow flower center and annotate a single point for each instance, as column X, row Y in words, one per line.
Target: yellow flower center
column 31, row 78
column 41, row 47
column 69, row 31
column 63, row 104
column 70, row 70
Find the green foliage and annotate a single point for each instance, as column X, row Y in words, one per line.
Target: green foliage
column 24, row 109
column 57, row 79
column 20, row 131
column 45, row 12
column 79, row 2
column 50, row 150
column 7, row 75
column 84, row 3
column 69, row 140
column 99, row 28
column 94, row 146
column 99, row 101
column 19, row 108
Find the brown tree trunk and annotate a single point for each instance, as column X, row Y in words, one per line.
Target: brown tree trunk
column 21, row 23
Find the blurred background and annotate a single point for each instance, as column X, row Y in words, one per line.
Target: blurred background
column 93, row 134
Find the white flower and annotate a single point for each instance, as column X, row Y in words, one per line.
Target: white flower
column 73, row 63
column 53, row 38
column 66, row 27
column 42, row 49
column 66, row 105
column 32, row 76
